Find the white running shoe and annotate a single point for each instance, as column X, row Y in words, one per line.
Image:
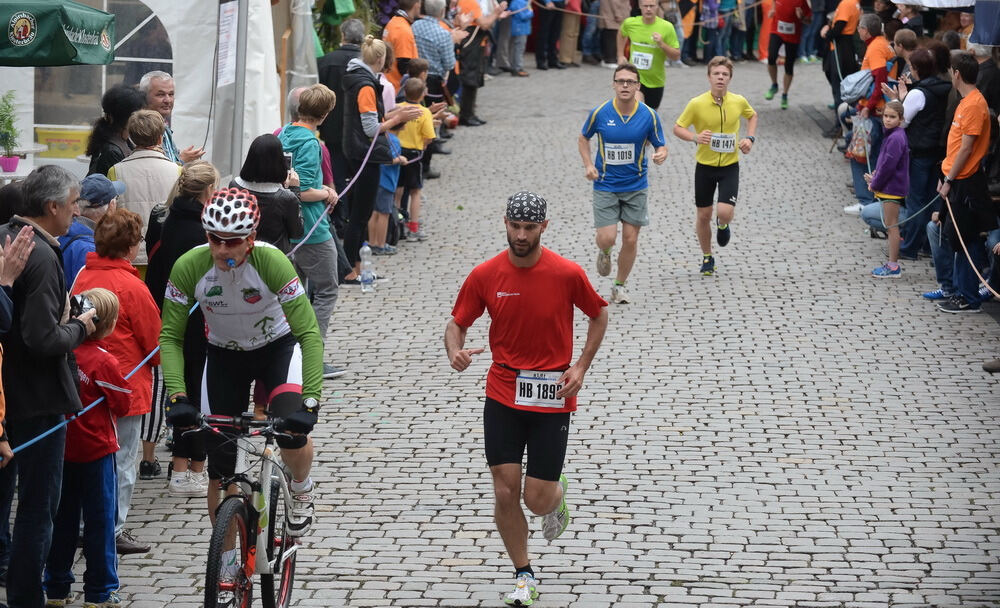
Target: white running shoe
column 525, row 592
column 301, row 516
column 619, row 295
column 554, row 523
column 603, row 262
column 853, row 209
column 187, row 484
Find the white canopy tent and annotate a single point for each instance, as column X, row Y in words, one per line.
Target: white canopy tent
column 224, row 67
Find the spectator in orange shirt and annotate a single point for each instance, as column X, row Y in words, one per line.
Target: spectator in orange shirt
column 399, row 34
column 964, row 185
column 840, row 35
column 472, row 57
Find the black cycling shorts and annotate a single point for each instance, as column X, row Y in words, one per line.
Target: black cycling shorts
column 508, row 431
column 225, row 390
column 791, row 52
column 707, row 178
column 651, row 97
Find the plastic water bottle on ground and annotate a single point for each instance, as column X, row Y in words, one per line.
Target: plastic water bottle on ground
column 367, row 269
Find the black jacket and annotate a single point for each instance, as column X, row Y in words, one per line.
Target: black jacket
column 924, row 129
column 111, row 152
column 38, row 365
column 331, row 68
column 356, row 143
column 280, row 214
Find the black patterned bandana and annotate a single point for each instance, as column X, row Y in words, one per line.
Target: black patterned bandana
column 526, row 206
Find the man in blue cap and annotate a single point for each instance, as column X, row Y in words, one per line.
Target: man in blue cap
column 98, row 195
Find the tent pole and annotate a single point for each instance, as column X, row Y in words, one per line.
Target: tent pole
column 236, row 150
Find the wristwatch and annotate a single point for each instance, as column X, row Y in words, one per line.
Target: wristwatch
column 752, row 139
column 947, row 179
column 310, row 403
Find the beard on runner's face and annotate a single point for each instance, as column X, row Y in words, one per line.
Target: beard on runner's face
column 524, row 247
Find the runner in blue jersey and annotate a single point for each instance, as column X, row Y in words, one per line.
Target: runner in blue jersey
column 624, row 126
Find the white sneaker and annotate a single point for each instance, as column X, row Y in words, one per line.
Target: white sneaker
column 187, row 484
column 301, row 516
column 854, row 209
column 603, row 262
column 619, row 295
column 606, row 65
column 525, row 592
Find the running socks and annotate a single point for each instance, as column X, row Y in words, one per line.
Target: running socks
column 524, row 570
column 617, row 282
column 301, row 486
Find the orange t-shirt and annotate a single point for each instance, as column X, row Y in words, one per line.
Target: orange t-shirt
column 404, row 46
column 366, row 100
column 471, row 7
column 849, row 11
column 877, row 55
column 972, row 117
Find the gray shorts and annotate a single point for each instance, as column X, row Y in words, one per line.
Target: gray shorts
column 613, row 207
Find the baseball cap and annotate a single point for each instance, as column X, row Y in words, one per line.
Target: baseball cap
column 99, row 190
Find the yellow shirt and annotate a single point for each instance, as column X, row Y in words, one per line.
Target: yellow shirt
column 723, row 120
column 414, row 133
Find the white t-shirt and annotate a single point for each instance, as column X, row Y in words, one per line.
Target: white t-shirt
column 912, row 104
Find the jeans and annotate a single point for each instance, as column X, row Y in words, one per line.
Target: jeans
column 722, row 42
column 129, row 430
column 591, row 34
column 711, row 43
column 809, row 37
column 992, row 239
column 8, row 484
column 923, row 188
column 317, row 264
column 689, row 49
column 966, row 280
column 944, row 258
column 872, row 215
column 88, row 489
column 40, row 472
column 517, row 44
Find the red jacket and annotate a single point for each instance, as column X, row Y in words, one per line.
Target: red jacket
column 138, row 329
column 93, row 435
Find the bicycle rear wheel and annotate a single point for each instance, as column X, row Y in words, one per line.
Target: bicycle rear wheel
column 276, row 588
column 227, row 584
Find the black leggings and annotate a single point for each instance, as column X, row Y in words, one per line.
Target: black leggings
column 362, row 200
column 791, row 53
column 651, row 97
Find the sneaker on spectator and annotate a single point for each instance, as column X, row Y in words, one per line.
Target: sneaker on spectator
column 113, row 601
column 330, row 372
column 58, row 602
column 201, row 479
column 958, row 304
column 184, row 484
column 854, row 209
column 886, row 271
column 149, row 469
column 609, row 65
column 937, row 294
column 126, row 544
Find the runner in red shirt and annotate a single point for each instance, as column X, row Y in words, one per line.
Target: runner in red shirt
column 788, row 17
column 531, row 388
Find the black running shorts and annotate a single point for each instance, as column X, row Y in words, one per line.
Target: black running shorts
column 651, row 97
column 508, row 431
column 226, row 390
column 707, row 178
column 791, row 52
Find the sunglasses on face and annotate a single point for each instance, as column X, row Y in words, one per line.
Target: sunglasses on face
column 227, row 241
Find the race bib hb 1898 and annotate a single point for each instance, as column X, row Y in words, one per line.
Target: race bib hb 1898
column 538, row 389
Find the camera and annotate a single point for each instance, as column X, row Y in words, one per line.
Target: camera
column 80, row 304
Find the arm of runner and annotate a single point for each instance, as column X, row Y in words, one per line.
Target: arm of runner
column 454, row 341
column 673, row 53
column 590, row 171
column 746, row 143
column 660, row 155
column 572, row 379
column 175, row 319
column 620, row 45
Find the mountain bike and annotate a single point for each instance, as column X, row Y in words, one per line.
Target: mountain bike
column 250, row 533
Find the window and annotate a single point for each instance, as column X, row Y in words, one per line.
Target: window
column 71, row 95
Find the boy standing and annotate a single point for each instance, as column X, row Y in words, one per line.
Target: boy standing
column 415, row 136
column 89, row 483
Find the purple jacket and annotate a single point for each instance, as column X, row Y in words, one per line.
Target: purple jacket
column 892, row 171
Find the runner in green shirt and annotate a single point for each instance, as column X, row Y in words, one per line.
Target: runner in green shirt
column 652, row 41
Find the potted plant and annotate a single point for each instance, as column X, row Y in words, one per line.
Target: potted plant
column 8, row 133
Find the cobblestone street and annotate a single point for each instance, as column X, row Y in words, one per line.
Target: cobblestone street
column 788, row 433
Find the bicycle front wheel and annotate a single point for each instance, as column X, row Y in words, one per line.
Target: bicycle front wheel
column 276, row 588
column 227, row 582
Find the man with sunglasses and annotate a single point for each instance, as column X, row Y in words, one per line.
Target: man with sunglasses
column 624, row 126
column 260, row 327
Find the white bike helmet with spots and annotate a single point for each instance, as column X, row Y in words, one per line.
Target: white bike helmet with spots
column 231, row 210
